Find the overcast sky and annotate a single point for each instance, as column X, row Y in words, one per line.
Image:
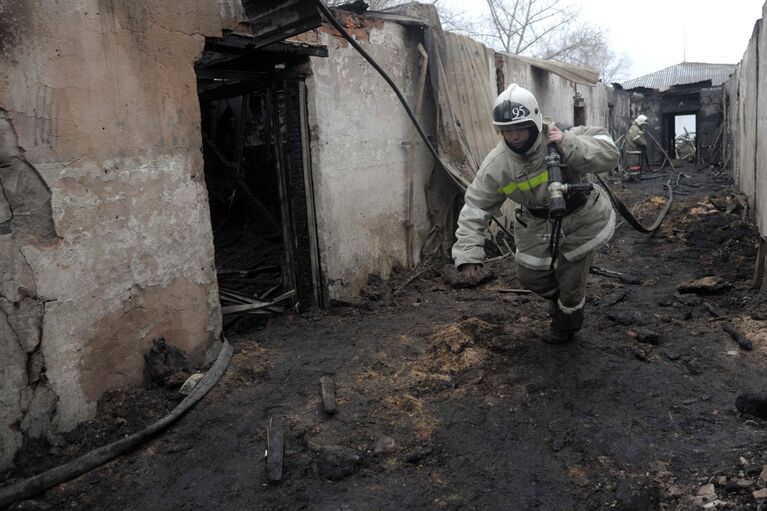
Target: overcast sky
column 661, row 33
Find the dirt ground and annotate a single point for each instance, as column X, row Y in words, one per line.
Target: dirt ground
column 448, row 399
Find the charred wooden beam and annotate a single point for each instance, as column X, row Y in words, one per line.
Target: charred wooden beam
column 272, row 21
column 233, row 172
column 328, row 390
column 241, row 44
column 231, row 75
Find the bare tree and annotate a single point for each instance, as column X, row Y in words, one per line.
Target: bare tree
column 457, row 20
column 547, row 29
column 518, row 25
column 585, row 45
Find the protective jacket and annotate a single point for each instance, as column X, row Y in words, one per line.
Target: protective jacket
column 523, row 178
column 635, row 140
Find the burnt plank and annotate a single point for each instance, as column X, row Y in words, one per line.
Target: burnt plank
column 275, row 448
column 328, row 389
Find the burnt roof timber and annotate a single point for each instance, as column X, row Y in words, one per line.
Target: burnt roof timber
column 241, row 44
column 272, row 21
column 230, row 74
column 231, row 90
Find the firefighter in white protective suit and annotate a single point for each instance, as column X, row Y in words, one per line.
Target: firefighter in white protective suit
column 516, row 170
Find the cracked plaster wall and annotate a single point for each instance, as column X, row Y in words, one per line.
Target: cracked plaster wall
column 360, row 149
column 105, row 239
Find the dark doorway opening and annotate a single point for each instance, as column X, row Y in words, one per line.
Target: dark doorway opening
column 579, row 110
column 685, row 141
column 680, row 135
column 258, row 175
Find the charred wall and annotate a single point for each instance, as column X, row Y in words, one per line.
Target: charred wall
column 710, row 118
column 105, row 236
column 701, row 100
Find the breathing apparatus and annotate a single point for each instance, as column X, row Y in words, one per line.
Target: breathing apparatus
column 558, row 190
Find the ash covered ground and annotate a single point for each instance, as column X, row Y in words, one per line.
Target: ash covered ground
column 448, row 399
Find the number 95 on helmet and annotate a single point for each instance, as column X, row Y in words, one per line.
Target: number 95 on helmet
column 514, row 106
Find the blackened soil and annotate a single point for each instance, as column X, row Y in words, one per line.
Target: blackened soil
column 637, row 414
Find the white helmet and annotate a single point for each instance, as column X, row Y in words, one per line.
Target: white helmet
column 640, row 120
column 516, row 105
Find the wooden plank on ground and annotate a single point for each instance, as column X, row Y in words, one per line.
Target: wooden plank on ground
column 328, row 388
column 275, row 448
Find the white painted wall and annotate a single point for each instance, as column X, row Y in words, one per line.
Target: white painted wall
column 360, row 135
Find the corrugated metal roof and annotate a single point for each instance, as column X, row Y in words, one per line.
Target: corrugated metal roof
column 681, row 74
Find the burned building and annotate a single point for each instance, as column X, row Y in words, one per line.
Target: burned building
column 690, row 91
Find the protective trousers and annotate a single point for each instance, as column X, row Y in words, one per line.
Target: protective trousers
column 565, row 286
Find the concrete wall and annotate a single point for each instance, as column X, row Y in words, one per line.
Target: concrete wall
column 731, row 113
column 746, row 127
column 360, row 151
column 109, row 243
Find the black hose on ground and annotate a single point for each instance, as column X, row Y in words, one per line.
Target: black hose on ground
column 37, row 484
column 625, row 212
column 664, row 153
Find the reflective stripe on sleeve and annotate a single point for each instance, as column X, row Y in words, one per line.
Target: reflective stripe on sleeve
column 534, row 181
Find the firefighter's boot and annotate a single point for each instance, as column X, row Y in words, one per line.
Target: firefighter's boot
column 564, row 326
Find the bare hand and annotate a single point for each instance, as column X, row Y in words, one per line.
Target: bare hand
column 471, row 272
column 555, row 135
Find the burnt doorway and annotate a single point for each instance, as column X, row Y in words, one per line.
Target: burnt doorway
column 685, row 137
column 579, row 110
column 680, row 135
column 258, row 174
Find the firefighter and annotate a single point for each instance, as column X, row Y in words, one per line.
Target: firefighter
column 635, row 140
column 516, row 170
column 636, row 148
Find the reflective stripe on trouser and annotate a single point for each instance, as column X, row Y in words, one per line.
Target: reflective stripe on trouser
column 567, row 279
